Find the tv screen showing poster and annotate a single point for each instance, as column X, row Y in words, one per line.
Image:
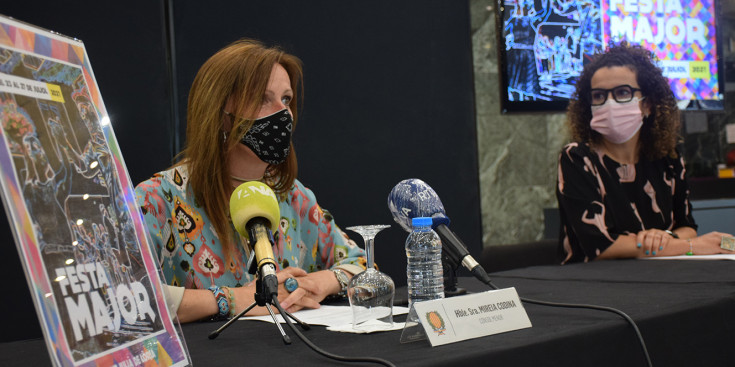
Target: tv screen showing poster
column 544, row 44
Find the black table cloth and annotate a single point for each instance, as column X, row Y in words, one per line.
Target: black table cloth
column 685, row 311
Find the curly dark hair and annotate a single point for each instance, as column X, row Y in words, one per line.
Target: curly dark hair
column 660, row 130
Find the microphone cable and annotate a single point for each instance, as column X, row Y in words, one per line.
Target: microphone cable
column 322, row 351
column 592, row 307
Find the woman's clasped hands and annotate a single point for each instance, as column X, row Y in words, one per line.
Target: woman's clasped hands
column 311, row 289
column 653, row 242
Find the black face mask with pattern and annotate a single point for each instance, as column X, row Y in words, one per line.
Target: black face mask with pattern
column 270, row 137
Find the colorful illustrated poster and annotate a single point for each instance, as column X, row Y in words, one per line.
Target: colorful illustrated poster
column 72, row 210
column 682, row 35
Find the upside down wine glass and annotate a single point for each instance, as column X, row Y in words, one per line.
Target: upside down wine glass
column 371, row 292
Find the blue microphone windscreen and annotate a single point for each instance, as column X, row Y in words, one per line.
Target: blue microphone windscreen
column 412, row 198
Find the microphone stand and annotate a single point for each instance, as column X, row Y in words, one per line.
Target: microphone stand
column 262, row 299
column 266, row 294
column 450, row 277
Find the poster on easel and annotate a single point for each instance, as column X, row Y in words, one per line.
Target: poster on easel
column 71, row 207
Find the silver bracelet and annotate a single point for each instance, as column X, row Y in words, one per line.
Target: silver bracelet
column 343, row 280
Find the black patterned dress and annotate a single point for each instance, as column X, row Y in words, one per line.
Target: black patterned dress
column 601, row 199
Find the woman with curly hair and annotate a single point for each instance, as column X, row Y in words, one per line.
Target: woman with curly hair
column 621, row 188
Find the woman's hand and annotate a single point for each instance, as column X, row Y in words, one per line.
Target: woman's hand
column 245, row 295
column 709, row 244
column 652, row 241
column 313, row 288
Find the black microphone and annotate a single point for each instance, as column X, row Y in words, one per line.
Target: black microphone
column 412, row 198
column 255, row 213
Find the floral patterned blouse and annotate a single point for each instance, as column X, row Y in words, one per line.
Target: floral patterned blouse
column 190, row 253
column 601, row 199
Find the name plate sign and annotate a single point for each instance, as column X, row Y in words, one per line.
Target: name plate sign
column 450, row 320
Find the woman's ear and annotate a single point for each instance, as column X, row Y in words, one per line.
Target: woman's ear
column 227, row 121
column 645, row 108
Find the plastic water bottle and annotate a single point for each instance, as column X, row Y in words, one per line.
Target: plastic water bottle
column 424, row 270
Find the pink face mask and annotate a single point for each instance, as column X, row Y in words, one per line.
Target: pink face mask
column 617, row 122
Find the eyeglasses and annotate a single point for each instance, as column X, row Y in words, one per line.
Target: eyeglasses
column 621, row 94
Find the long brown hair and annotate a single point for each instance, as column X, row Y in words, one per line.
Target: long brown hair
column 660, row 130
column 240, row 71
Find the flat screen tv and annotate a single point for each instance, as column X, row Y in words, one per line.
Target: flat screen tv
column 544, row 44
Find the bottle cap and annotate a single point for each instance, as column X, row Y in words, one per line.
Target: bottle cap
column 421, row 221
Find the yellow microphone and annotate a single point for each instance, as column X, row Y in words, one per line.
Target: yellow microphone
column 255, row 213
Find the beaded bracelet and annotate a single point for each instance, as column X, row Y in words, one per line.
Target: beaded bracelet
column 691, row 249
column 222, row 304
column 231, row 298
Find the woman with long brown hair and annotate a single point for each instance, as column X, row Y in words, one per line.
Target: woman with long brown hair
column 241, row 113
column 622, row 189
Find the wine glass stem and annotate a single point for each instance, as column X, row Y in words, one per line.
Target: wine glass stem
column 369, row 252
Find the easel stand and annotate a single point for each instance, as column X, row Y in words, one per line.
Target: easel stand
column 262, row 299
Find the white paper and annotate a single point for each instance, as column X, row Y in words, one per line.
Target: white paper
column 693, row 257
column 327, row 315
column 367, row 329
